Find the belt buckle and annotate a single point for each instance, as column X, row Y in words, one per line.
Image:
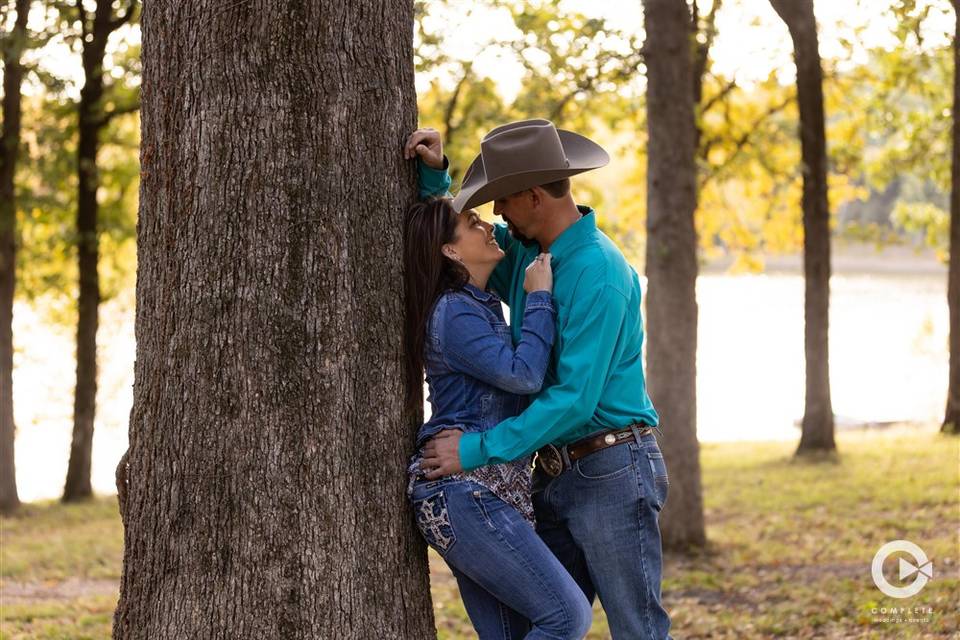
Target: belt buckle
column 548, row 457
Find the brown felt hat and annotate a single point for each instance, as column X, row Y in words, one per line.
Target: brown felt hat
column 525, row 154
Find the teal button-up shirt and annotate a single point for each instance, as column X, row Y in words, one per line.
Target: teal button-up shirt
column 595, row 379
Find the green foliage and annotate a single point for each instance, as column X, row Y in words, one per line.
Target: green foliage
column 46, row 174
column 927, row 220
column 576, row 70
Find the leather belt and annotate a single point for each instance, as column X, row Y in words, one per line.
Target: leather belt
column 554, row 460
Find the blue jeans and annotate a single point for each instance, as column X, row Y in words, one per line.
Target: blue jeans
column 511, row 584
column 601, row 519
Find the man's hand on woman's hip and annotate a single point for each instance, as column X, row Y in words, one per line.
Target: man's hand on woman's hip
column 441, row 454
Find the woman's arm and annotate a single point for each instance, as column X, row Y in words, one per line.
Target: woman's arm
column 469, row 344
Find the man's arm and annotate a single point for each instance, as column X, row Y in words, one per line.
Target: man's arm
column 590, row 345
column 427, row 147
column 433, row 182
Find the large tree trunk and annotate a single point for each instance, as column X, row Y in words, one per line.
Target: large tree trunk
column 672, row 263
column 951, row 419
column 13, row 45
column 92, row 119
column 817, row 432
column 263, row 491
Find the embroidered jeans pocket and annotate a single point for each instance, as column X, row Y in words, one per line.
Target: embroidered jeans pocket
column 433, row 520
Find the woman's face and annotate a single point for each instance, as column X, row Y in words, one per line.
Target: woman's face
column 475, row 244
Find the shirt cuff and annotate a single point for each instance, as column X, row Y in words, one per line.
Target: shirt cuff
column 470, row 448
column 540, row 300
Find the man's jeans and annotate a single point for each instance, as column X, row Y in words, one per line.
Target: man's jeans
column 601, row 519
column 511, row 584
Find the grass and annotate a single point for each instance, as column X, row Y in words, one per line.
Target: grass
column 791, row 542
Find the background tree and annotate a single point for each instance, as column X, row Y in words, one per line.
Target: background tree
column 817, row 429
column 951, row 419
column 263, row 491
column 672, row 261
column 93, row 115
column 13, row 45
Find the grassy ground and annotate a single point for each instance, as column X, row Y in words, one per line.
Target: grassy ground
column 791, row 544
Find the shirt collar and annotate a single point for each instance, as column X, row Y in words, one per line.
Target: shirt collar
column 573, row 235
column 479, row 294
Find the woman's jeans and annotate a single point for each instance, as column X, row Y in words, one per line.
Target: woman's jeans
column 601, row 519
column 511, row 584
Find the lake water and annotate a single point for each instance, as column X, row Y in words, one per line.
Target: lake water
column 889, row 361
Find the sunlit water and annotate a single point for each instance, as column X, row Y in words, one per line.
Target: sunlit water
column 888, row 341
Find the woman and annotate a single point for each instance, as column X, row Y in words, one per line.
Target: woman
column 481, row 522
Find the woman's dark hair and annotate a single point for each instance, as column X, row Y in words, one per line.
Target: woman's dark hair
column 427, row 274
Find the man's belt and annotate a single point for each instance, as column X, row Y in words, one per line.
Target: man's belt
column 553, row 462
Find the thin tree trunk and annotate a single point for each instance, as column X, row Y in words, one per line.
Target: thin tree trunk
column 951, row 419
column 818, row 431
column 91, row 120
column 672, row 263
column 13, row 45
column 263, row 491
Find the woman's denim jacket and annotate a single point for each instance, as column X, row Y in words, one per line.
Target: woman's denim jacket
column 475, row 375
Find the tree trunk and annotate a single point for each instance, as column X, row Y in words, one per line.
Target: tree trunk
column 951, row 419
column 672, row 263
column 263, row 491
column 91, row 118
column 817, row 432
column 13, row 45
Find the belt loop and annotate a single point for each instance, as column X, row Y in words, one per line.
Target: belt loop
column 566, row 458
column 636, row 433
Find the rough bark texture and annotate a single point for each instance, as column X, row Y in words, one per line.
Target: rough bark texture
column 672, row 263
column 951, row 419
column 13, row 46
column 817, row 432
column 263, row 491
column 96, row 31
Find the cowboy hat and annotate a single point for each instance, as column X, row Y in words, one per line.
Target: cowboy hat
column 525, row 154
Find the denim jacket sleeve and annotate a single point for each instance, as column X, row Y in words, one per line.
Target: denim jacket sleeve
column 469, row 344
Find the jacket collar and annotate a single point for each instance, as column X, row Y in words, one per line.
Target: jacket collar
column 479, row 294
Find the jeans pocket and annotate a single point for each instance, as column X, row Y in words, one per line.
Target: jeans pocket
column 433, row 520
column 606, row 463
column 661, row 481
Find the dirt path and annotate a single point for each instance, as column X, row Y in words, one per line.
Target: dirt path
column 14, row 592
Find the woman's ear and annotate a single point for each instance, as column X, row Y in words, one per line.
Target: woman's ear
column 450, row 253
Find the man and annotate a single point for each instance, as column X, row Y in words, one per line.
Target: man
column 599, row 479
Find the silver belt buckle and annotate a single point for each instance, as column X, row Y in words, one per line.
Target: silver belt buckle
column 548, row 457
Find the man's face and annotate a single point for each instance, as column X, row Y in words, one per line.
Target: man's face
column 518, row 212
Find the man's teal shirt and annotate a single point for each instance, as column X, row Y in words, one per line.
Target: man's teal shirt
column 595, row 379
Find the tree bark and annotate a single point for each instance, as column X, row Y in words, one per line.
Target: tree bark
column 13, row 45
column 672, row 263
column 818, row 430
column 96, row 32
column 263, row 491
column 951, row 419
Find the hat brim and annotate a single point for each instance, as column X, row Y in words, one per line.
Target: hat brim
column 582, row 155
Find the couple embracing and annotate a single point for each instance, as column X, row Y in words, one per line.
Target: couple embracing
column 563, row 383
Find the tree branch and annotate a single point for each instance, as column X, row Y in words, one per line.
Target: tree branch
column 117, row 111
column 743, row 140
column 124, row 16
